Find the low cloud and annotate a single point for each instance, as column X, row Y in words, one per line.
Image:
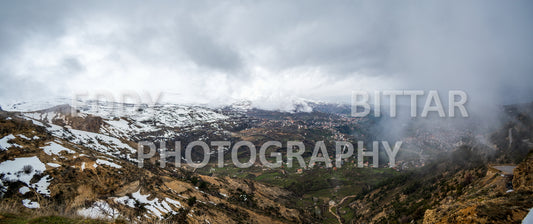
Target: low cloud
column 272, row 53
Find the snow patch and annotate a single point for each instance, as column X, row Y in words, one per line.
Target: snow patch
column 105, row 162
column 99, row 210
column 125, row 200
column 30, row 204
column 529, row 217
column 42, row 186
column 54, row 165
column 13, row 170
column 4, row 145
column 174, row 202
column 55, row 149
column 155, row 206
column 24, row 137
column 24, row 190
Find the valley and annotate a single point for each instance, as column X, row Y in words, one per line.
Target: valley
column 85, row 165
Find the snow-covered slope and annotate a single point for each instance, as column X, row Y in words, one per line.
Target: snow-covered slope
column 124, row 122
column 34, row 105
column 118, row 119
column 169, row 115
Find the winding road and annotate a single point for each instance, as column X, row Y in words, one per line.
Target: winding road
column 342, row 201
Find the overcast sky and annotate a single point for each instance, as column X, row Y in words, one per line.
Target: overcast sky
column 270, row 52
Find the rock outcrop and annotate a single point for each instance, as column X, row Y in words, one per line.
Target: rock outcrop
column 523, row 175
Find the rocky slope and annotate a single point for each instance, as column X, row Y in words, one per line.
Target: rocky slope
column 475, row 183
column 523, row 175
column 46, row 166
column 490, row 199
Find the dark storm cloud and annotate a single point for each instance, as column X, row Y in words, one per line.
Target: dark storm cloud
column 271, row 49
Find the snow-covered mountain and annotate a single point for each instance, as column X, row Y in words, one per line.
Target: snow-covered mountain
column 34, row 104
column 84, row 158
column 118, row 119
